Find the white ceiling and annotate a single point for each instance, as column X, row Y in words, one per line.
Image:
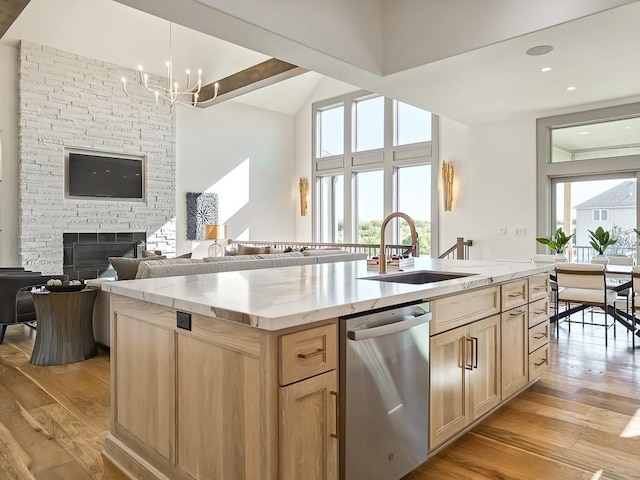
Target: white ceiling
column 475, row 84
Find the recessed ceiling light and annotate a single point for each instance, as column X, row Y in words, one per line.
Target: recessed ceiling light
column 571, row 88
column 627, row 127
column 540, row 50
column 584, row 133
column 545, row 69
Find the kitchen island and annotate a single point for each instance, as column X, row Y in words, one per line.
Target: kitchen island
column 235, row 375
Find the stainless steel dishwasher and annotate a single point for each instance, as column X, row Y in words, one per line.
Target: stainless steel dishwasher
column 384, row 390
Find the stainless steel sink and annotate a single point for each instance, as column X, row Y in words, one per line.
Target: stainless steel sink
column 418, row 277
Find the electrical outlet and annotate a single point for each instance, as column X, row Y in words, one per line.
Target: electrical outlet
column 522, row 231
column 183, row 320
column 502, row 231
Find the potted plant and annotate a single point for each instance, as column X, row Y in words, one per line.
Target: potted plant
column 556, row 243
column 600, row 241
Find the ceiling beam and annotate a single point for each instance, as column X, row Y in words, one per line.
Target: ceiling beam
column 9, row 11
column 248, row 80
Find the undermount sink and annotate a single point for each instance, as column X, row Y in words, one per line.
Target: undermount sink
column 418, row 277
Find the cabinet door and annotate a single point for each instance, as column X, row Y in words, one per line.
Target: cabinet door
column 450, row 357
column 515, row 351
column 485, row 387
column 308, row 429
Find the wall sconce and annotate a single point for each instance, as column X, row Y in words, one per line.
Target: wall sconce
column 215, row 233
column 447, row 184
column 304, row 194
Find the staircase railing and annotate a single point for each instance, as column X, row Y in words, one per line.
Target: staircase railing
column 459, row 251
column 370, row 249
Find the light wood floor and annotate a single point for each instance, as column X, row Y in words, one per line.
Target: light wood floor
column 53, row 420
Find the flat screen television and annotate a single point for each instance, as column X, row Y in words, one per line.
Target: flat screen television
column 103, row 177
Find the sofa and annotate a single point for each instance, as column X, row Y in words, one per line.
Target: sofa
column 160, row 267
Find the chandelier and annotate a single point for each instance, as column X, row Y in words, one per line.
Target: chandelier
column 171, row 93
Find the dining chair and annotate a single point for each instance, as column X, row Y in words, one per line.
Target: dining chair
column 635, row 301
column 614, row 280
column 585, row 284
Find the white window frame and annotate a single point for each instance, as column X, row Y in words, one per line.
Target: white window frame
column 549, row 174
column 600, row 211
column 388, row 159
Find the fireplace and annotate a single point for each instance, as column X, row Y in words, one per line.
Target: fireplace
column 86, row 255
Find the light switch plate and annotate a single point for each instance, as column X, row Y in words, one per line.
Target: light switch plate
column 522, row 231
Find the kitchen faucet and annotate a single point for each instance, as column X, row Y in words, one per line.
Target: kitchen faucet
column 414, row 237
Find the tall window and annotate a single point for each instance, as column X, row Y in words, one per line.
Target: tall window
column 370, row 205
column 331, row 131
column 331, row 193
column 369, row 124
column 382, row 165
column 414, row 193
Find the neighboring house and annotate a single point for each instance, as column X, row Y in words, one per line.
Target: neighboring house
column 615, row 207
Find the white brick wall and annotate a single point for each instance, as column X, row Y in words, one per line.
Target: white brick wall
column 66, row 100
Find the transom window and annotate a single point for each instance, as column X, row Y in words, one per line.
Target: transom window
column 373, row 155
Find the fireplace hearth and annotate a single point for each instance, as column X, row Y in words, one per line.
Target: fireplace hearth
column 86, row 255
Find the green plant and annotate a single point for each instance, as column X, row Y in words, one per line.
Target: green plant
column 600, row 240
column 637, row 232
column 557, row 242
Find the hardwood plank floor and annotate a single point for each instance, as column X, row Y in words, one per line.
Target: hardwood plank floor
column 569, row 425
column 576, row 423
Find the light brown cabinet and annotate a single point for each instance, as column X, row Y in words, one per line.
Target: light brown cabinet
column 308, row 429
column 309, row 403
column 465, row 377
column 539, row 328
column 515, row 352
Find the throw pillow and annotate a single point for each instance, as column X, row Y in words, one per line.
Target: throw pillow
column 245, row 250
column 184, row 255
column 148, row 254
column 126, row 268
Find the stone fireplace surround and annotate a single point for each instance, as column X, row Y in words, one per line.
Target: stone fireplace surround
column 70, row 101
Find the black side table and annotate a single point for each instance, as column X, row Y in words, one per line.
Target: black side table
column 65, row 327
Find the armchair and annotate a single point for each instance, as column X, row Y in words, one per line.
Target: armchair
column 16, row 306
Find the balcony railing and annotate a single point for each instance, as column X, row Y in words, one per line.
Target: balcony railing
column 582, row 254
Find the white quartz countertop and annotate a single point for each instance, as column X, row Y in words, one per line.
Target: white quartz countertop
column 276, row 298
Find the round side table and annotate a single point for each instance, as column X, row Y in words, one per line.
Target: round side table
column 65, row 330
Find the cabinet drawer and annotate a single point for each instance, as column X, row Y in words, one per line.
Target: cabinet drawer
column 538, row 287
column 463, row 308
column 514, row 294
column 538, row 311
column 538, row 336
column 307, row 353
column 538, row 362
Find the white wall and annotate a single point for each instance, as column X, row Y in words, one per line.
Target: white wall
column 246, row 156
column 496, row 187
column 9, row 156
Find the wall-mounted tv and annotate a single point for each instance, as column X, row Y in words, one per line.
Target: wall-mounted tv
column 93, row 175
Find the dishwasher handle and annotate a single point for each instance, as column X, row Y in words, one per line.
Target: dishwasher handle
column 388, row 329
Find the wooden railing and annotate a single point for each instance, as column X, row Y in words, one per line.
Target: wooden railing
column 460, row 250
column 370, row 249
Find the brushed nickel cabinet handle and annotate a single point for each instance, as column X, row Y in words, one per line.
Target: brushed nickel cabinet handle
column 539, row 336
column 517, row 312
column 541, row 362
column 335, row 394
column 319, row 351
column 475, row 352
column 468, row 365
column 540, row 287
column 538, row 312
column 516, row 294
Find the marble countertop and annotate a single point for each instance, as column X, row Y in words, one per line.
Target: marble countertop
column 276, row 298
